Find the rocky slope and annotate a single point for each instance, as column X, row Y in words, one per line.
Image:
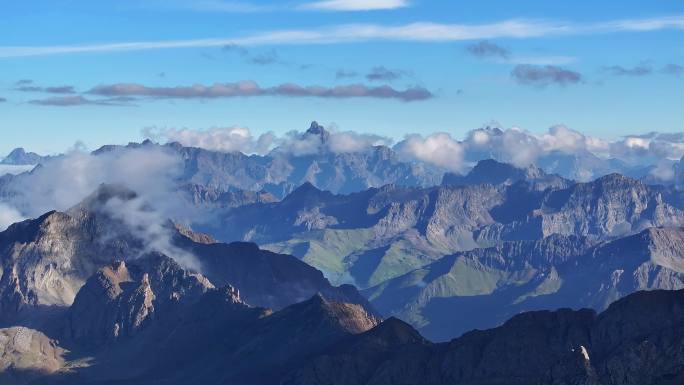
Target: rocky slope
column 148, row 321
column 378, row 234
column 45, row 261
column 483, row 287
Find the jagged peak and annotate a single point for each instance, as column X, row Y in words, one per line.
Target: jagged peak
column 616, row 178
column 318, row 130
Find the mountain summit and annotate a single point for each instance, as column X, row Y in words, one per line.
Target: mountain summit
column 19, row 157
column 318, row 130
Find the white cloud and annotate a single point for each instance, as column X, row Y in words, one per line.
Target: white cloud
column 294, row 142
column 228, row 139
column 350, row 141
column 13, row 169
column 63, row 182
column 355, row 5
column 438, row 149
column 414, row 32
column 8, row 216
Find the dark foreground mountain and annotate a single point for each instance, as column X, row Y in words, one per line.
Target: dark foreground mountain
column 636, row 341
column 149, row 322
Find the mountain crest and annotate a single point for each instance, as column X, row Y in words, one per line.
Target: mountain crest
column 316, row 129
column 19, row 157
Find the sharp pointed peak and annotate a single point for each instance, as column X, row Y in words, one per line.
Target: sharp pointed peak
column 318, row 130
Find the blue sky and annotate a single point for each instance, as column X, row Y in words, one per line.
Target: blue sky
column 69, row 74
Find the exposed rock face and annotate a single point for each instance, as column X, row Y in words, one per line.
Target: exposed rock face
column 203, row 196
column 120, row 300
column 149, row 318
column 633, row 342
column 380, row 234
column 610, row 206
column 45, row 261
column 26, row 354
column 492, row 284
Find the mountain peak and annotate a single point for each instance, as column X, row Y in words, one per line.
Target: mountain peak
column 318, row 130
column 396, row 331
column 494, row 172
column 20, row 157
column 104, row 193
column 307, row 193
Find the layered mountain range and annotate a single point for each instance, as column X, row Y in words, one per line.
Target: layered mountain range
column 259, row 286
column 524, row 240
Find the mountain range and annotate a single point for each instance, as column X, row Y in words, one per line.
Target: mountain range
column 343, row 268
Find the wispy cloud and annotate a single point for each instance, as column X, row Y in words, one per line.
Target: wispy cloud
column 355, row 5
column 250, row 88
column 616, row 70
column 488, row 49
column 347, row 33
column 494, row 52
column 207, row 6
column 49, row 90
column 71, row 101
column 672, row 69
column 343, row 74
column 544, row 75
column 384, row 74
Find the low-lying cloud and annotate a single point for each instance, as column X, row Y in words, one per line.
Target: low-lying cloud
column 438, row 149
column 513, row 145
column 231, row 139
column 8, row 216
column 65, row 181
